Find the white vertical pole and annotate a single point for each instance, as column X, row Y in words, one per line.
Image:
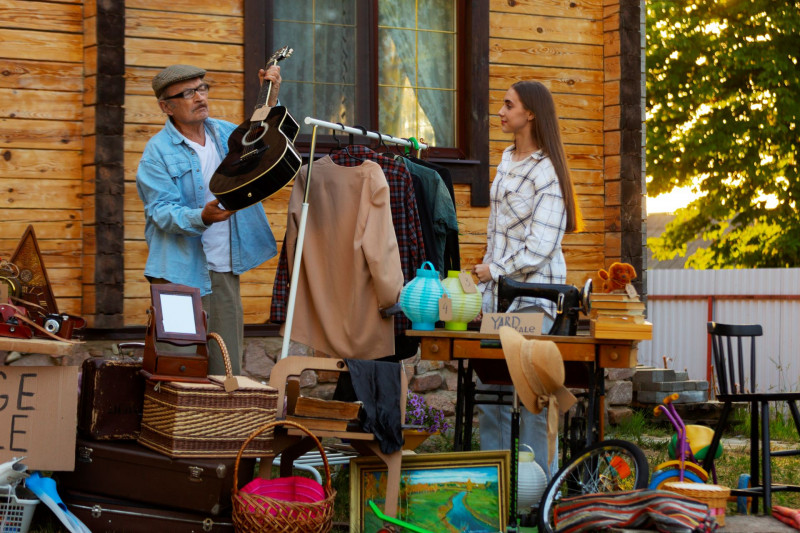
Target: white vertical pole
column 301, row 233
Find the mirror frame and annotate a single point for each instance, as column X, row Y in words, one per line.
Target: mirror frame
column 156, row 290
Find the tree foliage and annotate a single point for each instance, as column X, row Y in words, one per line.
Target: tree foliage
column 723, row 94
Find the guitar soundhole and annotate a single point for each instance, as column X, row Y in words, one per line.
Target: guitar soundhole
column 254, row 134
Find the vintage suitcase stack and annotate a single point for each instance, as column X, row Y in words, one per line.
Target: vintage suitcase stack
column 107, row 515
column 122, row 486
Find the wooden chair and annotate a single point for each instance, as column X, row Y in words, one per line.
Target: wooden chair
column 291, row 443
column 735, row 367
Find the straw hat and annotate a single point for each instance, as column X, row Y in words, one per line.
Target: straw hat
column 537, row 372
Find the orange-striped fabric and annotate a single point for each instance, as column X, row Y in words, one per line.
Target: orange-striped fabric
column 657, row 510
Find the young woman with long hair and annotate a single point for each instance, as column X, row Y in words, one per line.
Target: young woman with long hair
column 533, row 203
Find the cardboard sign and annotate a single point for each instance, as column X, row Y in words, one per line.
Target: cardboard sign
column 467, row 283
column 39, row 415
column 631, row 290
column 525, row 323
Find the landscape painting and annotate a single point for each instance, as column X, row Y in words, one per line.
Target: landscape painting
column 447, row 492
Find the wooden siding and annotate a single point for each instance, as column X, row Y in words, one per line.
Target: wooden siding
column 52, row 84
column 41, row 115
column 561, row 44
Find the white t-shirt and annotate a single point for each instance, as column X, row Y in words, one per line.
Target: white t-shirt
column 217, row 238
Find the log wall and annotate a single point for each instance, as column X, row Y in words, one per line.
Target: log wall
column 56, row 112
column 41, row 125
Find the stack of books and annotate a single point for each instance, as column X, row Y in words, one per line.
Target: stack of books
column 618, row 316
column 329, row 415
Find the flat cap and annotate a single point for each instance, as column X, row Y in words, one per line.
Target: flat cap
column 174, row 74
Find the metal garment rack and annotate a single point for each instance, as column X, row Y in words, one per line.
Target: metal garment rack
column 301, row 230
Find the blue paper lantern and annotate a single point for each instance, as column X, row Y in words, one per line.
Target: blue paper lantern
column 419, row 299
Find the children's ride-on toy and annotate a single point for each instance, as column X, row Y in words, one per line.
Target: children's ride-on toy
column 687, row 449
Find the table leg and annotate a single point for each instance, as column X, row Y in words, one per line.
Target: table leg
column 457, row 437
column 469, row 407
column 595, row 418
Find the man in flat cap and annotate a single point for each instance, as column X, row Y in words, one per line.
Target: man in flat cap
column 191, row 239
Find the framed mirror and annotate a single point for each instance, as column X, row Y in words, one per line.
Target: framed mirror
column 178, row 313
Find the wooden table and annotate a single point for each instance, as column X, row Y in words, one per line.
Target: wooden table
column 585, row 358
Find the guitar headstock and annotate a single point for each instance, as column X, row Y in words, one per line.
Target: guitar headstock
column 280, row 55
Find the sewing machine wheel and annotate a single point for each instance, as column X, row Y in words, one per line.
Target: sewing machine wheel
column 576, row 432
column 586, row 300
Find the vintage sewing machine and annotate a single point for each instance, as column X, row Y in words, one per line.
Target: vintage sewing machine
column 569, row 301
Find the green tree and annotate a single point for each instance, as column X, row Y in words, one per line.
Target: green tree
column 723, row 93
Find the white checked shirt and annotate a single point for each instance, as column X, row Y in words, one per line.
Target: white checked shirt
column 526, row 225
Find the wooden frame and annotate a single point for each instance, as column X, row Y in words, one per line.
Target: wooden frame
column 174, row 296
column 485, row 473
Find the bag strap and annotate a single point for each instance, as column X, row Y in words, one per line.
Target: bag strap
column 40, row 329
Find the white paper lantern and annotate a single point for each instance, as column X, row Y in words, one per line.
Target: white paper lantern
column 531, row 481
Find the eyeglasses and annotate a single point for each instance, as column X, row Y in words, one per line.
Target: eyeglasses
column 188, row 94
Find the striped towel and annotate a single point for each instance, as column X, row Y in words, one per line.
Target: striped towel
column 658, row 510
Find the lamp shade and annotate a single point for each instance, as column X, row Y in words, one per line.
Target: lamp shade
column 419, row 299
column 466, row 306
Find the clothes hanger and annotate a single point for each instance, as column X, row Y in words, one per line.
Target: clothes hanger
column 338, row 143
column 415, row 143
column 386, row 151
column 347, row 148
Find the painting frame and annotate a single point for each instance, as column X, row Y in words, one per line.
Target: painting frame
column 366, row 473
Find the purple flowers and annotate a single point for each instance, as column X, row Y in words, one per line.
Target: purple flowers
column 419, row 413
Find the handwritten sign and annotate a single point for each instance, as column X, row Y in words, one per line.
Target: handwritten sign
column 38, row 415
column 525, row 323
column 467, row 283
column 445, row 308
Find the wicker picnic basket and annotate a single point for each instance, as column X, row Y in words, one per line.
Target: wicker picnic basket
column 715, row 496
column 256, row 513
column 203, row 420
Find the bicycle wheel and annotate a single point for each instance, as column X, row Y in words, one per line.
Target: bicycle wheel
column 606, row 466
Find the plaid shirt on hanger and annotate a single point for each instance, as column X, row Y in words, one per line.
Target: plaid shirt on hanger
column 405, row 218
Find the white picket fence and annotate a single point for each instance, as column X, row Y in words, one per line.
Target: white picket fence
column 681, row 302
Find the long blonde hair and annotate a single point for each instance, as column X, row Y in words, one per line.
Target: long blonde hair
column 536, row 98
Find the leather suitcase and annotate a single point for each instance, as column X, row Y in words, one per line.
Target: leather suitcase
column 129, row 471
column 107, row 515
column 111, row 399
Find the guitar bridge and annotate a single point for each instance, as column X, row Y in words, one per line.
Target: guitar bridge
column 251, row 154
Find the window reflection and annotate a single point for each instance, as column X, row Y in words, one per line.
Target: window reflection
column 416, row 80
column 416, row 64
column 319, row 79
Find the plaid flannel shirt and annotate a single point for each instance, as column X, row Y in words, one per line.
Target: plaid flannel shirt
column 526, row 224
column 405, row 218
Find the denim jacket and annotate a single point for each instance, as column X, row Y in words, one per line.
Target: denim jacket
column 170, row 184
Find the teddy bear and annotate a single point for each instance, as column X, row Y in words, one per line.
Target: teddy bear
column 618, row 275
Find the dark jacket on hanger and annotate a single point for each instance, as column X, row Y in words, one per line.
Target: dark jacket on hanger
column 452, row 253
column 426, row 222
column 438, row 205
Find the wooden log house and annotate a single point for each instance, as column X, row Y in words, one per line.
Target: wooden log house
column 76, row 109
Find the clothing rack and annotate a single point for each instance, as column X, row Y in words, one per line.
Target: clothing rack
column 301, row 229
column 411, row 141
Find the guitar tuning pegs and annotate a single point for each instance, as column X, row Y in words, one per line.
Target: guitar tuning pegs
column 289, row 52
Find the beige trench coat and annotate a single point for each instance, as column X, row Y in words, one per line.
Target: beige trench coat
column 350, row 262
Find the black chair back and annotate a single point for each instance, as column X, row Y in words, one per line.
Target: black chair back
column 734, row 358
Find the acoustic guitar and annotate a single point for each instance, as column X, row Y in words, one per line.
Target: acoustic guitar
column 261, row 156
